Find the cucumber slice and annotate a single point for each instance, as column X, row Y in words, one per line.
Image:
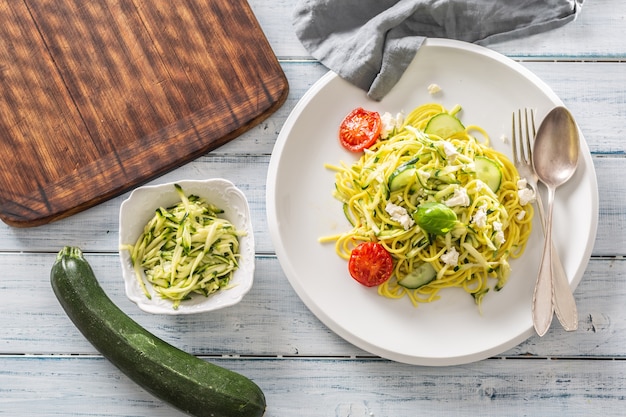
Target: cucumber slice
column 420, row 276
column 488, row 171
column 402, row 177
column 444, row 125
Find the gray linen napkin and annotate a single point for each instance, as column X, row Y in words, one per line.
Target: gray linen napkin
column 370, row 43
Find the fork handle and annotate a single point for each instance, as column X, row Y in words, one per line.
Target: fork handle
column 543, row 307
column 563, row 298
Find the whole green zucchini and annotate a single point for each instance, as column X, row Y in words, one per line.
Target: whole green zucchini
column 190, row 384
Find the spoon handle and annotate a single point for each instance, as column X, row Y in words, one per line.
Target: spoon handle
column 543, row 307
column 564, row 303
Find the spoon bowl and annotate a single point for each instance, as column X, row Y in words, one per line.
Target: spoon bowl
column 555, row 159
column 556, row 148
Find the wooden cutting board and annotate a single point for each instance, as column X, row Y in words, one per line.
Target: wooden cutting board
column 97, row 97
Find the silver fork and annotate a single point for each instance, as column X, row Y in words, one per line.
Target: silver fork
column 523, row 134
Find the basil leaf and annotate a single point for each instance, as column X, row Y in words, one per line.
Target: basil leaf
column 435, row 218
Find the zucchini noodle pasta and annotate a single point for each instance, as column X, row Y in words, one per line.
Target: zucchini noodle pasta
column 449, row 209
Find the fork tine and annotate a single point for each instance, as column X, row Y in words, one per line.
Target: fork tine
column 514, row 139
column 530, row 133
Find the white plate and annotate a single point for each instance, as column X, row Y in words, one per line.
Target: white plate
column 301, row 208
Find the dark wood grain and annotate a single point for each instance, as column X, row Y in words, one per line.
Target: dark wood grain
column 99, row 97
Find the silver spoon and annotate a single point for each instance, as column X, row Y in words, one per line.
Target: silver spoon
column 555, row 157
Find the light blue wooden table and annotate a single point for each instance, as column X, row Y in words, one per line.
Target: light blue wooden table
column 48, row 369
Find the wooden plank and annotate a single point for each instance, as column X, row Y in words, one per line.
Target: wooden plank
column 102, row 96
column 271, row 320
column 597, row 102
column 597, row 34
column 96, row 228
column 34, row 386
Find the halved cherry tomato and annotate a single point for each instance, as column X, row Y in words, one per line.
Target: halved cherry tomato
column 360, row 129
column 370, row 264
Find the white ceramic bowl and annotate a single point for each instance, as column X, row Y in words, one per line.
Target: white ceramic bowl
column 139, row 208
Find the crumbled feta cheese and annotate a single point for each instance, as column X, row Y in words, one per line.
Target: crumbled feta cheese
column 450, row 150
column 434, row 89
column 520, row 216
column 499, row 238
column 526, row 196
column 480, row 218
column 460, row 198
column 400, row 215
column 451, row 257
column 389, row 123
column 479, row 185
